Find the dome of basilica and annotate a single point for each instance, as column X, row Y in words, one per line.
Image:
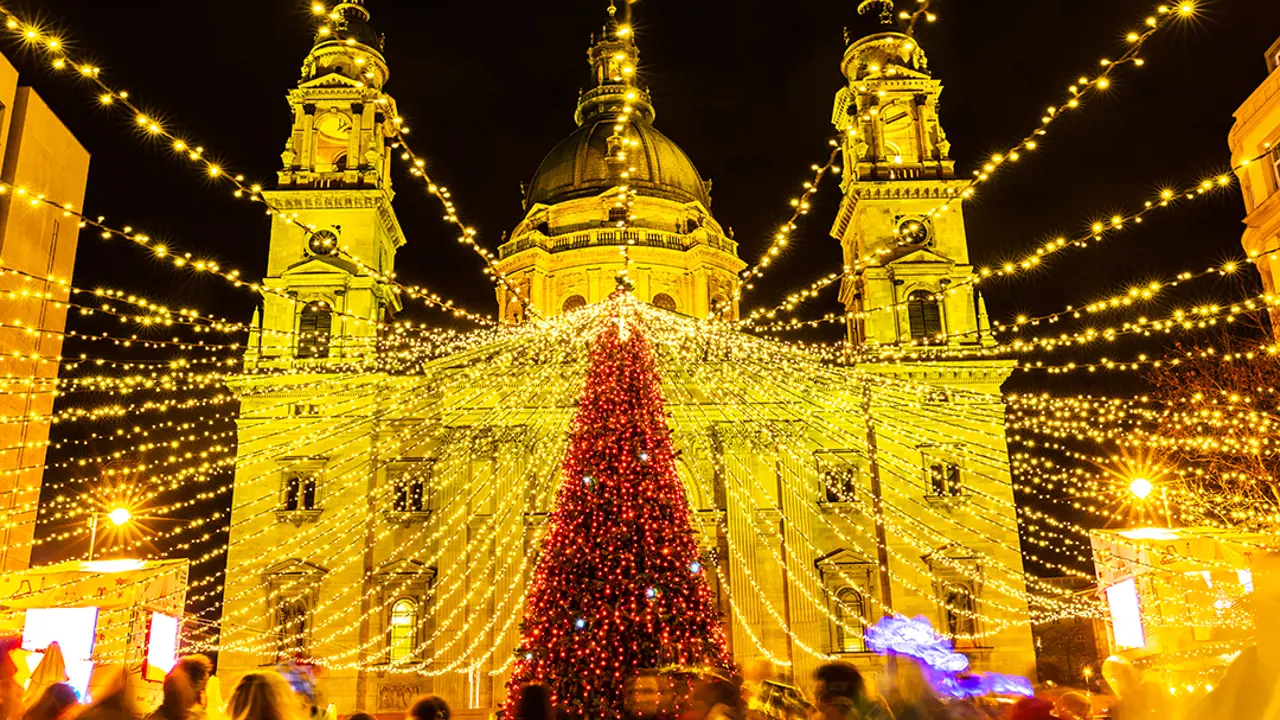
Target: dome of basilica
column 577, row 167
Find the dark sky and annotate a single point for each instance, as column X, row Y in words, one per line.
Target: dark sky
column 745, row 86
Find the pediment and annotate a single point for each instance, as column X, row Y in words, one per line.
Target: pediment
column 922, row 255
column 405, row 566
column 950, row 551
column 294, row 566
column 842, row 556
column 332, row 80
column 315, row 264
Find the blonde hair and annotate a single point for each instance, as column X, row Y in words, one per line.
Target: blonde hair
column 262, row 696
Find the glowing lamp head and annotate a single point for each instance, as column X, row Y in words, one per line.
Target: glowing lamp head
column 120, row 516
column 1141, row 487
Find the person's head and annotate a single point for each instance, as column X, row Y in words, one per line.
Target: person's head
column 197, row 669
column 428, row 707
column 1121, row 676
column 836, row 680
column 535, row 703
column 52, row 703
column 1073, row 706
column 360, row 716
column 179, row 694
column 262, row 696
column 644, row 694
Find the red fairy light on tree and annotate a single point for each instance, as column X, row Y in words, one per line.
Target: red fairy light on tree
column 620, row 586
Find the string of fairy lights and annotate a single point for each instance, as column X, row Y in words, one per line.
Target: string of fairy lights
column 441, row 393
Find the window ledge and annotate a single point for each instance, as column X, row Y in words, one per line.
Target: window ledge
column 406, row 519
column 949, row 503
column 298, row 517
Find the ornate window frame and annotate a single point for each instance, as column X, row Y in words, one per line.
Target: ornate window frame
column 303, row 468
column 408, row 515
column 291, row 584
column 847, row 470
column 842, row 571
column 414, row 581
column 944, row 475
column 957, row 570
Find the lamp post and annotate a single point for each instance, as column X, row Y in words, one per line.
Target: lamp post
column 118, row 516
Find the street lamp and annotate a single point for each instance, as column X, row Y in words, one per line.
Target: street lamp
column 118, row 517
column 1141, row 487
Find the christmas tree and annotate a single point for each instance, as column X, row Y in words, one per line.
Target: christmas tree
column 619, row 586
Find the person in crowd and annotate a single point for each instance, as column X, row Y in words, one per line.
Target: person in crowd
column 428, row 707
column 109, row 686
column 57, row 701
column 909, row 696
column 360, row 715
column 1135, row 699
column 263, row 696
column 185, row 690
column 713, row 698
column 1032, row 708
column 535, row 703
column 841, row 694
column 10, row 690
column 1073, row 705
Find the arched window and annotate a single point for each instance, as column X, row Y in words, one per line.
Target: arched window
column 961, row 611
column 840, row 484
column 899, row 134
column 851, row 612
column 315, row 328
column 402, row 639
column 332, row 132
column 924, row 315
column 292, row 629
column 514, row 316
column 573, row 302
column 664, row 301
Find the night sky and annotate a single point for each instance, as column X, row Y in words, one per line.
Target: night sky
column 744, row 86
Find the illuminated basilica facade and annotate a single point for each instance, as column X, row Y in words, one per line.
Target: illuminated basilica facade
column 386, row 521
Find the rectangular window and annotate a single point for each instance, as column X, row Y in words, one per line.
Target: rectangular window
column 1275, row 167
column 300, row 491
column 411, row 487
column 292, row 629
column 945, row 480
column 315, row 330
column 960, row 610
column 840, row 484
column 409, row 494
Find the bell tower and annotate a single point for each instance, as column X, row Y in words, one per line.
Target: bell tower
column 910, row 285
column 338, row 234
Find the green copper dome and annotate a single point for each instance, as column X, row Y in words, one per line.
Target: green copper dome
column 577, row 167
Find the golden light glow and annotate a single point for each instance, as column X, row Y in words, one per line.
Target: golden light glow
column 1141, row 487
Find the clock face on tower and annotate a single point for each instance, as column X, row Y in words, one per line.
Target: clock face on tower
column 323, row 242
column 913, row 231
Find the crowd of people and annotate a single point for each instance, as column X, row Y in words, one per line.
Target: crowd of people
column 902, row 692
